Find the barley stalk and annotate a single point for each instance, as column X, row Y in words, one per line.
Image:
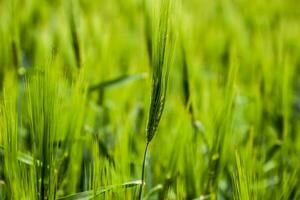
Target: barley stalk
column 162, row 50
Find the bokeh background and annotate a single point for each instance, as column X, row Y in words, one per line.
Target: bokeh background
column 78, row 73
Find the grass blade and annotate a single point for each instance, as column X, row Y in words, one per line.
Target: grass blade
column 92, row 194
column 117, row 82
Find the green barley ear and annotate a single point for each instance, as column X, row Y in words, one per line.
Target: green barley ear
column 162, row 50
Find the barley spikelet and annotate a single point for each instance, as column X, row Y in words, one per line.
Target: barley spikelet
column 163, row 45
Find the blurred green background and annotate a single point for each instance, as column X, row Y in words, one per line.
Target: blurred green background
column 75, row 82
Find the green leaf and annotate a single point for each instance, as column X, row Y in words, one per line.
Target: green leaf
column 153, row 191
column 117, row 81
column 22, row 157
column 86, row 195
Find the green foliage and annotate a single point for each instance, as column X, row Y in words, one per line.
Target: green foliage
column 214, row 86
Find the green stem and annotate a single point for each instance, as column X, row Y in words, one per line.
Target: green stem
column 143, row 171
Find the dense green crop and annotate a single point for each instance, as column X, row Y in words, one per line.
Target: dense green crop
column 149, row 99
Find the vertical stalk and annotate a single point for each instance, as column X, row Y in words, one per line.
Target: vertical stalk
column 143, row 171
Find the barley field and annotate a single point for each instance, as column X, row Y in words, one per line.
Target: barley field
column 149, row 99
